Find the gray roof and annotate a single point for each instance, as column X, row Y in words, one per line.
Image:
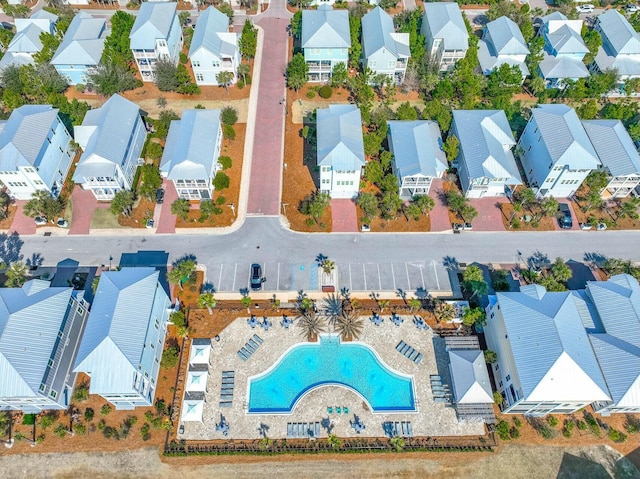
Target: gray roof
column 618, row 36
column 17, row 59
column 566, row 40
column 485, row 143
column 625, row 65
column 23, row 135
column 489, row 61
column 27, row 40
column 83, row 43
column 614, row 146
column 153, row 22
column 191, row 149
column 114, row 337
column 325, row 28
column 471, row 384
column 562, row 67
column 340, row 144
column 565, row 137
column 30, row 319
column 212, row 33
column 112, row 126
column 43, row 14
column 417, row 148
column 550, row 347
column 618, row 348
column 378, row 33
column 505, row 38
column 445, row 21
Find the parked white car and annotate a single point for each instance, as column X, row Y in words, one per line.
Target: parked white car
column 588, row 8
column 632, row 8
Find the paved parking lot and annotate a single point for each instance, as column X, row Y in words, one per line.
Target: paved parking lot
column 408, row 276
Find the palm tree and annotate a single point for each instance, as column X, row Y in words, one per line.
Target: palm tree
column 444, row 312
column 225, row 79
column 243, row 69
column 311, row 324
column 207, row 300
column 180, row 207
column 629, row 208
column 331, row 308
column 182, row 269
column 349, row 325
column 414, row 304
column 16, row 275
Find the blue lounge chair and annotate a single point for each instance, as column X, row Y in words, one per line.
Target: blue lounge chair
column 404, row 428
column 288, row 429
column 345, row 410
column 410, row 429
column 329, row 410
column 338, row 410
column 250, row 348
column 418, row 358
column 317, row 431
column 242, row 356
column 246, row 352
column 258, row 339
column 253, row 343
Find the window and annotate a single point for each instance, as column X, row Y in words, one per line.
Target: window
column 195, row 63
column 199, row 77
column 215, row 63
column 508, row 378
column 53, row 394
column 42, row 387
column 500, row 384
column 50, row 362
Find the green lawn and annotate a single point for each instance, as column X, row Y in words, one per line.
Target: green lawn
column 104, row 219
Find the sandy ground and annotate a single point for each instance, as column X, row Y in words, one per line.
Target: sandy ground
column 514, row 462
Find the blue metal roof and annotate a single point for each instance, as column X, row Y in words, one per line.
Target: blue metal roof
column 152, row 22
column 339, row 132
column 417, row 148
column 445, row 22
column 378, row 33
column 212, row 34
column 325, row 28
column 83, row 43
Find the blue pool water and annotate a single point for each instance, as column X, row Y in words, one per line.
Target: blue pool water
column 330, row 362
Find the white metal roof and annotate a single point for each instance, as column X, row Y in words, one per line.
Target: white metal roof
column 471, row 384
column 325, row 28
column 417, row 148
column 445, row 22
column 339, row 131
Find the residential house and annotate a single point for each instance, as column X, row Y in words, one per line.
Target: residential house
column 35, row 151
column 564, row 50
column 111, row 138
column 123, row 341
column 40, row 327
column 191, row 153
column 445, row 32
column 340, row 150
column 156, row 35
column 502, row 43
column 555, row 151
column 81, row 48
column 383, row 50
column 486, row 166
column 213, row 48
column 326, row 40
column 418, row 156
column 620, row 48
column 26, row 41
column 618, row 155
column 471, row 386
column 615, row 336
column 545, row 361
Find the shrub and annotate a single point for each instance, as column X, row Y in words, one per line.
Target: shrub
column 542, row 428
column 60, row 430
column 102, row 424
column 170, row 357
column 311, row 94
column 617, row 436
column 80, row 429
column 228, row 132
column 88, row 414
column 145, row 432
column 80, row 87
column 220, row 200
column 515, row 223
column 581, row 425
column 183, row 58
column 552, row 420
column 110, row 432
column 81, row 393
column 517, row 422
column 229, row 115
column 225, row 162
column 221, row 181
column 47, row 421
column 325, row 92
column 105, row 410
column 514, row 433
column 503, row 430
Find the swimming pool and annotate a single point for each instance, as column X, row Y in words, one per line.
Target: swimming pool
column 307, row 366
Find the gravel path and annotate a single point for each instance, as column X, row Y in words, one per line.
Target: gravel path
column 512, row 461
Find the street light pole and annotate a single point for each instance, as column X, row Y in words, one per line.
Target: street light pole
column 233, row 208
column 110, row 260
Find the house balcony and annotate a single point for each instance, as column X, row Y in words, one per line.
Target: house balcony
column 401, row 65
column 319, row 67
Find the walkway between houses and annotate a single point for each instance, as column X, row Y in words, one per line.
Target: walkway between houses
column 84, row 204
column 266, row 162
column 489, row 214
column 344, row 218
column 167, row 220
column 440, row 214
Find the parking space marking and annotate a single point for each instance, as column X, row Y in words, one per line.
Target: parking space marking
column 278, row 279
column 393, row 275
column 379, row 280
column 235, row 272
column 220, row 277
column 435, row 274
column 350, row 281
column 364, row 275
column 422, row 277
column 406, row 268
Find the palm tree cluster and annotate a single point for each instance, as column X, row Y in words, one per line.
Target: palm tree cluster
column 182, row 271
column 310, row 323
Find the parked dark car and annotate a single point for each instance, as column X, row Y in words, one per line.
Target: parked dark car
column 159, row 196
column 564, row 216
column 256, row 277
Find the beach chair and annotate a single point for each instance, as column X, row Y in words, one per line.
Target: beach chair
column 288, row 429
column 410, row 429
column 338, row 410
column 405, row 348
column 345, row 410
column 242, row 356
column 253, row 343
column 225, row 403
column 404, row 429
column 329, row 410
column 396, row 429
column 229, row 382
column 250, row 348
column 414, row 355
column 228, row 374
column 258, row 339
column 300, row 429
column 409, row 352
column 246, row 352
column 418, row 358
column 226, row 391
column 317, row 433
column 400, row 346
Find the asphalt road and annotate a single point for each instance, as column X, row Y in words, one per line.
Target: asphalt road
column 282, row 252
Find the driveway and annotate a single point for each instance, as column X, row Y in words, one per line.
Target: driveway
column 576, row 225
column 166, row 221
column 489, row 215
column 84, row 205
column 440, row 214
column 344, row 218
column 22, row 224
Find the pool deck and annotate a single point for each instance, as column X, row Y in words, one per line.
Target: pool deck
column 431, row 418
